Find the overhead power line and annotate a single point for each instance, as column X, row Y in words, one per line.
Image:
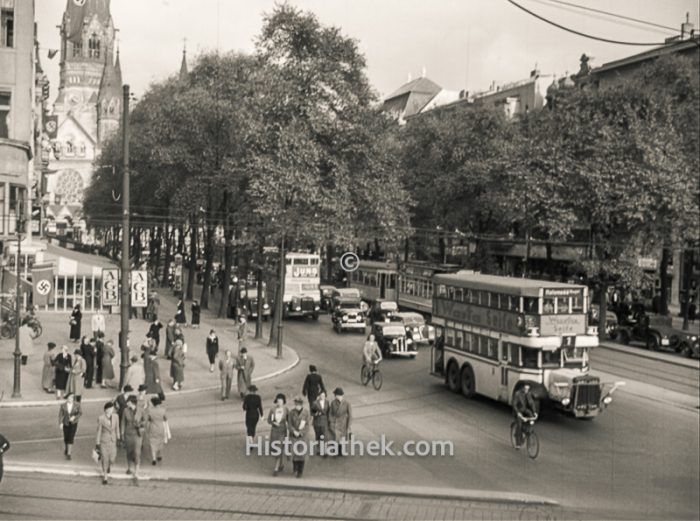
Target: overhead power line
column 614, row 15
column 585, row 35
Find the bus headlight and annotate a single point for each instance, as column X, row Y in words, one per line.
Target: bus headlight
column 566, row 401
column 265, row 306
column 316, row 308
column 298, row 308
column 409, row 341
column 607, row 400
column 345, row 318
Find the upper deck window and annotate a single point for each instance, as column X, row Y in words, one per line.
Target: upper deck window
column 548, row 307
column 530, row 305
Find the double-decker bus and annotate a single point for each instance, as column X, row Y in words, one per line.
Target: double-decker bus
column 496, row 333
column 302, row 297
column 375, row 280
column 415, row 288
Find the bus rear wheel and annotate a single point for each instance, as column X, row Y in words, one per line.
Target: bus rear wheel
column 453, row 377
column 467, row 381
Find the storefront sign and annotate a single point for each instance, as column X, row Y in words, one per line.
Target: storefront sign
column 110, row 287
column 139, row 289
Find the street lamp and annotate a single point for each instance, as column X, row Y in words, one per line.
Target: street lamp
column 16, row 390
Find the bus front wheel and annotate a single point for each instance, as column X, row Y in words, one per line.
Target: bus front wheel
column 467, row 381
column 453, row 377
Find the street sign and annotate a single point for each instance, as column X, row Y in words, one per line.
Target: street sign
column 139, row 289
column 110, row 287
column 647, row 263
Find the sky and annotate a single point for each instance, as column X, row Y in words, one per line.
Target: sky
column 459, row 44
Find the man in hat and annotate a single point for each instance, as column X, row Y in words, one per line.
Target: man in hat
column 298, row 428
column 319, row 412
column 245, row 366
column 313, row 385
column 339, row 419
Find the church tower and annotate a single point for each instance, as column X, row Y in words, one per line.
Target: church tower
column 88, row 104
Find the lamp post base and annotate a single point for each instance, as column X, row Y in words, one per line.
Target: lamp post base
column 16, row 390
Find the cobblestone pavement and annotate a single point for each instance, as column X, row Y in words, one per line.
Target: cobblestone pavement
column 54, row 497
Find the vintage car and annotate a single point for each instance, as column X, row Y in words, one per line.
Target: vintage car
column 660, row 332
column 611, row 325
column 249, row 303
column 392, row 340
column 686, row 343
column 416, row 328
column 326, row 298
column 347, row 294
column 382, row 310
column 347, row 315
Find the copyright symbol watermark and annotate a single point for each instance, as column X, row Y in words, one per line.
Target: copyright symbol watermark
column 349, row 262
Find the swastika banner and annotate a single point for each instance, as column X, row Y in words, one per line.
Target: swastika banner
column 42, row 284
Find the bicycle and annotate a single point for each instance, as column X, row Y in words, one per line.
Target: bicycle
column 528, row 432
column 373, row 374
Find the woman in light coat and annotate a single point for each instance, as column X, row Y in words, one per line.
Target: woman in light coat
column 76, row 378
column 107, row 367
column 157, row 428
column 26, row 342
column 177, row 366
column 107, row 438
column 48, row 373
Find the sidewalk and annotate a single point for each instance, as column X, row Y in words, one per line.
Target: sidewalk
column 197, row 374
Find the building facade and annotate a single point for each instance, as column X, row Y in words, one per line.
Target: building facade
column 88, row 104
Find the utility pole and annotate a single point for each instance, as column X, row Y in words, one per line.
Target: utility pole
column 125, row 269
column 16, row 390
column 280, row 300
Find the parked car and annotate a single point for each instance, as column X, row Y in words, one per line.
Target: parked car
column 347, row 315
column 382, row 310
column 249, row 303
column 659, row 334
column 326, row 298
column 686, row 343
column 611, row 324
column 392, row 340
column 415, row 326
column 347, row 294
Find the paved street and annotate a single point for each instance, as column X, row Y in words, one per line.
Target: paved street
column 626, row 464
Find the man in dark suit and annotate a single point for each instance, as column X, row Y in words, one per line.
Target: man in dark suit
column 4, row 446
column 319, row 412
column 313, row 385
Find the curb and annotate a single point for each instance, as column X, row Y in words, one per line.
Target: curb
column 289, row 483
column 48, row 403
column 643, row 353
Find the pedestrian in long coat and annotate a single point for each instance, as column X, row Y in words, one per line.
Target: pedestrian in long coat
column 245, row 366
column 170, row 338
column 152, row 369
column 158, row 429
column 89, row 353
column 107, row 367
column 177, row 366
column 299, row 420
column 132, row 428
column 154, row 332
column 196, row 312
column 99, row 349
column 277, row 418
column 242, row 330
column 180, row 316
column 120, row 402
column 75, row 319
column 26, row 342
column 252, row 405
column 135, row 374
column 319, row 413
column 313, row 385
column 62, row 365
column 339, row 418
column 68, row 416
column 212, row 349
column 153, row 305
column 227, row 365
column 107, row 439
column 48, row 373
column 76, row 378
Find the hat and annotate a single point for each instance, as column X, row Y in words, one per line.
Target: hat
column 312, row 368
column 128, row 388
column 338, row 391
column 51, row 345
column 298, row 399
column 108, row 405
column 282, row 397
column 252, row 388
column 243, row 350
column 132, row 399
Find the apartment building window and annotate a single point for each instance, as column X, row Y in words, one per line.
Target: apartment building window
column 7, row 31
column 5, row 99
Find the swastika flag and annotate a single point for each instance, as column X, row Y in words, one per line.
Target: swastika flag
column 42, row 284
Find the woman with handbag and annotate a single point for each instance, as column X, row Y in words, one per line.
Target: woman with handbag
column 158, row 429
column 177, row 366
column 68, row 417
column 107, row 439
column 75, row 319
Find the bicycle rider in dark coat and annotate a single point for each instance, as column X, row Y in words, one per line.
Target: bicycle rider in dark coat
column 523, row 406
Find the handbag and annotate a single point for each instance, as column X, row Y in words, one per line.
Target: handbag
column 96, row 455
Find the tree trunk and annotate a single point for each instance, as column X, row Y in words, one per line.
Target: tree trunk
column 329, row 262
column 261, row 295
column 603, row 309
column 228, row 257
column 526, row 269
column 663, row 273
column 406, row 250
column 687, row 267
column 181, row 240
column 209, row 260
column 193, row 259
column 276, row 327
column 168, row 248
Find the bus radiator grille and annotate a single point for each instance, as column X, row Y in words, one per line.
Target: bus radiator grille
column 587, row 395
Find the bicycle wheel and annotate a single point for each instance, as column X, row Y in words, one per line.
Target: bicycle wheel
column 377, row 380
column 6, row 331
column 364, row 375
column 37, row 330
column 533, row 445
column 513, row 434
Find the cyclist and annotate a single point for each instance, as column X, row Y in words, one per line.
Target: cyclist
column 524, row 407
column 371, row 354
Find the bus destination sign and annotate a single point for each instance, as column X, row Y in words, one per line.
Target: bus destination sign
column 504, row 321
